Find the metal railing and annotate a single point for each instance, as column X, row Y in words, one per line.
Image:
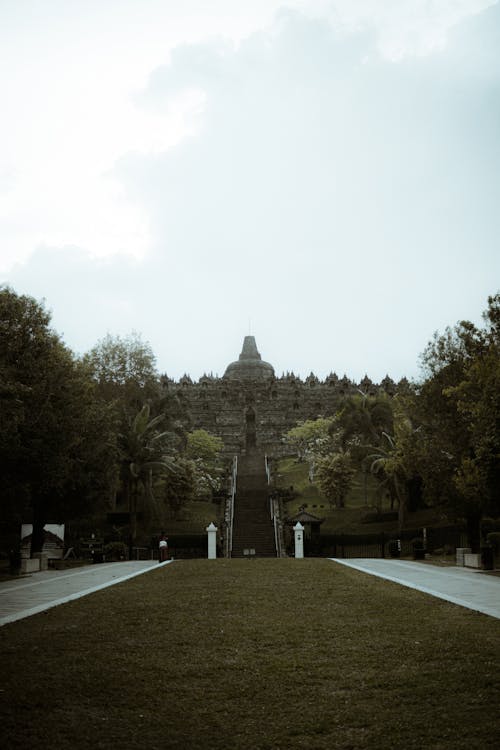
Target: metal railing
column 268, row 468
column 275, row 513
column 229, row 514
column 278, row 531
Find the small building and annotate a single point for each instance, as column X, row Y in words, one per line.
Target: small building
column 312, row 531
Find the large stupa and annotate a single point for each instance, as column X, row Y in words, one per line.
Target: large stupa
column 250, row 405
column 249, row 365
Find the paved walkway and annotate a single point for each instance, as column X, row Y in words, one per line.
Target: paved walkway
column 27, row 595
column 464, row 586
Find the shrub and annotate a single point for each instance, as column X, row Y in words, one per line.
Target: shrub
column 394, row 547
column 418, row 546
column 493, row 538
column 116, row 550
column 446, row 549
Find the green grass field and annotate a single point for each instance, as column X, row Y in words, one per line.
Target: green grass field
column 254, row 654
column 193, row 518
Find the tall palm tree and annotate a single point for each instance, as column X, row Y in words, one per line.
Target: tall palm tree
column 394, row 463
column 385, row 467
column 363, row 420
column 143, row 451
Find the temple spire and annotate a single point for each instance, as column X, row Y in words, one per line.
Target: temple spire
column 249, row 350
column 249, row 365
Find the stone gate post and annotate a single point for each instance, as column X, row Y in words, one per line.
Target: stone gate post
column 212, row 541
column 298, row 531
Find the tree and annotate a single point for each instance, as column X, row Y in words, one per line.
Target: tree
column 144, row 452
column 361, row 424
column 125, row 370
column 363, row 419
column 477, row 400
column 311, row 437
column 457, row 408
column 204, row 446
column 55, row 443
column 451, row 362
column 179, row 486
column 394, row 464
column 204, row 450
column 334, row 476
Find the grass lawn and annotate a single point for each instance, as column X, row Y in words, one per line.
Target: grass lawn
column 254, row 655
column 193, row 518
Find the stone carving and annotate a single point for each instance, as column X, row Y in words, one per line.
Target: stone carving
column 249, row 403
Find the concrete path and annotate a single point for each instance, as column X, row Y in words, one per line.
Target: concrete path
column 27, row 595
column 468, row 588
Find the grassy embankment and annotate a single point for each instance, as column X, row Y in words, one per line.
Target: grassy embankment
column 260, row 655
column 361, row 500
column 194, row 518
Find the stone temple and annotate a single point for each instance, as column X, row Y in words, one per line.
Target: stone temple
column 249, row 406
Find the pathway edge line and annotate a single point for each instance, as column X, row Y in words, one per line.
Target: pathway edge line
column 77, row 595
column 439, row 595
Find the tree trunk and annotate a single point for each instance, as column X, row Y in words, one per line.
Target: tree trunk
column 401, row 505
column 133, row 490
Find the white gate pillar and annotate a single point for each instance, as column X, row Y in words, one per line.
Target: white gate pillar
column 212, row 541
column 298, row 531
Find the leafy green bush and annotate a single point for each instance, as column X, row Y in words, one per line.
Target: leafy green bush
column 394, row 547
column 493, row 538
column 115, row 550
column 418, row 546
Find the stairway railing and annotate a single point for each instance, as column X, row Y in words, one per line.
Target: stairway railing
column 229, row 514
column 268, row 468
column 275, row 511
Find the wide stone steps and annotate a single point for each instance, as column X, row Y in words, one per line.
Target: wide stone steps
column 253, row 529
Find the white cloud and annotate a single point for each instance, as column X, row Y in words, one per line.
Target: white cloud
column 403, row 28
column 297, row 176
column 70, row 83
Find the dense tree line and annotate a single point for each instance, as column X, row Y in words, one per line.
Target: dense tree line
column 77, row 434
column 437, row 443
column 80, row 433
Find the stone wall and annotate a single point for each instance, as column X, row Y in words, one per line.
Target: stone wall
column 229, row 407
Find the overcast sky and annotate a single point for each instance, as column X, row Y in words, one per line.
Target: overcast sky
column 324, row 175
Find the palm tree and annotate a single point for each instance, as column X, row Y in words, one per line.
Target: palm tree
column 363, row 420
column 384, row 466
column 143, row 454
column 394, row 464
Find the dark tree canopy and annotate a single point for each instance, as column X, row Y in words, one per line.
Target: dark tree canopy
column 55, row 442
column 125, row 370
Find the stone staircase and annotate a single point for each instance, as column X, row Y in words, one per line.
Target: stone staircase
column 252, row 525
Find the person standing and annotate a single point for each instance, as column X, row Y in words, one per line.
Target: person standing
column 163, row 548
